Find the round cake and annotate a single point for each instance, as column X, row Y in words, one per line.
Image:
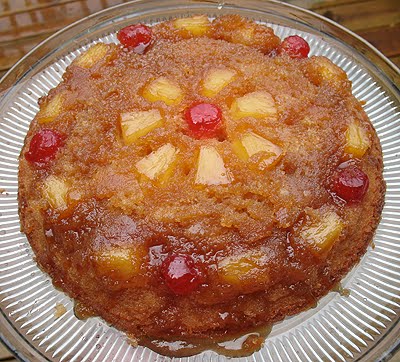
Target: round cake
column 199, row 180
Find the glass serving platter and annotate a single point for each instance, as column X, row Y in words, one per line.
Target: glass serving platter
column 362, row 325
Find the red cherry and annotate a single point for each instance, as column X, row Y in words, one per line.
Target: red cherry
column 137, row 37
column 350, row 183
column 44, row 146
column 295, row 46
column 181, row 274
column 204, row 119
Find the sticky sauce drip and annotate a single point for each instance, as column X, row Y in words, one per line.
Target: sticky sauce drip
column 344, row 292
column 82, row 312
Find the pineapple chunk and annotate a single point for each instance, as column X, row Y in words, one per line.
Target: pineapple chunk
column 119, row 263
column 162, row 89
column 321, row 69
column 251, row 144
column 139, row 123
column 158, row 163
column 196, row 25
column 323, row 232
column 236, row 270
column 245, row 35
column 211, row 169
column 55, row 191
column 259, row 104
column 329, row 70
column 50, row 110
column 216, row 80
column 357, row 141
column 94, row 54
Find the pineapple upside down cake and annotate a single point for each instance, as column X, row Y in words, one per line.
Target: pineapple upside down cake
column 200, row 179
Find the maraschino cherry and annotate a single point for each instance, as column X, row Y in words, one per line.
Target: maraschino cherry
column 350, row 183
column 136, row 37
column 181, row 274
column 204, row 120
column 44, row 146
column 295, row 46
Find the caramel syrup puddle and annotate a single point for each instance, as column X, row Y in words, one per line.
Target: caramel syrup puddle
column 239, row 345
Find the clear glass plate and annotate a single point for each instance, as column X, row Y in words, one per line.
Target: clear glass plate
column 362, row 326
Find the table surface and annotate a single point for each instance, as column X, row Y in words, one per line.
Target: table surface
column 25, row 23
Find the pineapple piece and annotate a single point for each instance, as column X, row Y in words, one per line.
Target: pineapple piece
column 357, row 141
column 119, row 263
column 236, row 29
column 94, row 54
column 321, row 69
column 259, row 104
column 55, row 191
column 139, row 123
column 236, row 270
column 163, row 89
column 323, row 232
column 211, row 169
column 215, row 80
column 329, row 70
column 251, row 144
column 196, row 25
column 158, row 163
column 245, row 35
column 50, row 110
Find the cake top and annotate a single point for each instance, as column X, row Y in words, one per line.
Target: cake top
column 213, row 139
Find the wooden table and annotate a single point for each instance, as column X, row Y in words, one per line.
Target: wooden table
column 25, row 23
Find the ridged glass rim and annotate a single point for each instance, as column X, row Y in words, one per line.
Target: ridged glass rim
column 383, row 71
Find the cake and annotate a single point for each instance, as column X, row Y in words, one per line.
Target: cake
column 199, row 180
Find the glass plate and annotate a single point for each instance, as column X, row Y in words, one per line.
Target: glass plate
column 362, row 326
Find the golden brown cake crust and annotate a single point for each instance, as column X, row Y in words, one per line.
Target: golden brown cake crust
column 110, row 205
